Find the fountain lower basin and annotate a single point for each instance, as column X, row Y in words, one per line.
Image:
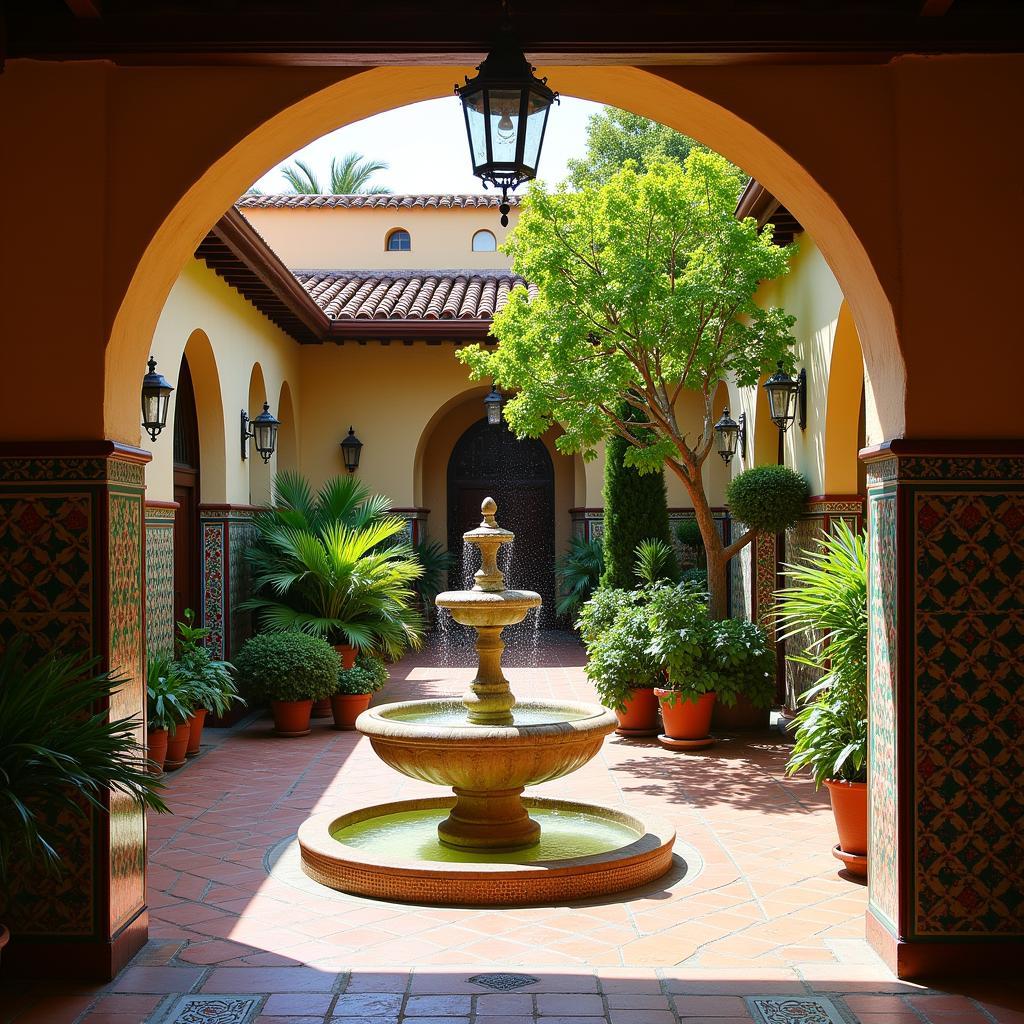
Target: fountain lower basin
column 386, row 852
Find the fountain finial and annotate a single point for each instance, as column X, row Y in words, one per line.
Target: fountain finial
column 488, row 537
column 488, row 507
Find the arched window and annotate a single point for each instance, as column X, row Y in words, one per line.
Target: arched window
column 484, row 241
column 398, row 240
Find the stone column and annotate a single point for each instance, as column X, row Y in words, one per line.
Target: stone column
column 946, row 704
column 71, row 578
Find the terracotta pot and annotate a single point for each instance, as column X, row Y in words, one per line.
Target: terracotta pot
column 348, row 654
column 686, row 719
column 157, row 750
column 177, row 744
column 347, row 707
column 291, row 717
column 741, row 717
column 195, row 731
column 640, row 716
column 321, row 708
column 850, row 807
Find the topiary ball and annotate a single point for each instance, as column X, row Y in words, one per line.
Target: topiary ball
column 768, row 499
column 289, row 666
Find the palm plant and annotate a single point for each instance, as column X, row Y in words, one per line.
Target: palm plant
column 210, row 683
column 350, row 175
column 169, row 698
column 579, row 573
column 59, row 750
column 827, row 598
column 655, row 561
column 437, row 562
column 330, row 564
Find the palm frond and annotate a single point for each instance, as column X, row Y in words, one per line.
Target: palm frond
column 302, row 178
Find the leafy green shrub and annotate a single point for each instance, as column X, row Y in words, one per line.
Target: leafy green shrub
column 828, row 596
column 579, row 574
column 289, row 666
column 169, row 698
column 58, row 754
column 688, row 533
column 367, row 675
column 768, row 499
column 635, row 509
column 619, row 658
column 599, row 613
column 695, row 575
column 210, row 683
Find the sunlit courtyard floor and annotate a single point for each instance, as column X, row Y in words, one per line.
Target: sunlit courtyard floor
column 754, row 907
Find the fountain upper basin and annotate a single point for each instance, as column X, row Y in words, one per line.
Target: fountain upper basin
column 488, row 608
column 426, row 740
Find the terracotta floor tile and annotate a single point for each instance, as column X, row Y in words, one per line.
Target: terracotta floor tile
column 296, row 1004
column 268, row 979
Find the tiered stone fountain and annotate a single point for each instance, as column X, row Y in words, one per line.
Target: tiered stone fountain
column 483, row 845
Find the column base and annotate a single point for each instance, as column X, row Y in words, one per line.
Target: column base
column 89, row 960
column 940, row 959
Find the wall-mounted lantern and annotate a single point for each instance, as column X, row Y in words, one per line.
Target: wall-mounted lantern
column 263, row 432
column 731, row 436
column 492, row 403
column 351, row 449
column 156, row 396
column 506, row 108
column 787, row 398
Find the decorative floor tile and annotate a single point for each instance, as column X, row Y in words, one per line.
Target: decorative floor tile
column 793, row 1010
column 212, row 1010
column 504, row 982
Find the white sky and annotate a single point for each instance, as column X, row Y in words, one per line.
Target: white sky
column 425, row 146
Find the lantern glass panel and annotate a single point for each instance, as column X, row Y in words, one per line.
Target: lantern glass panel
column 151, row 408
column 476, row 127
column 266, row 436
column 537, row 110
column 503, row 125
column 780, row 401
column 727, row 437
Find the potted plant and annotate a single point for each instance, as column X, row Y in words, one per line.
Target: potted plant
column 210, row 683
column 292, row 669
column 332, row 565
column 828, row 596
column 355, row 690
column 60, row 753
column 614, row 628
column 169, row 706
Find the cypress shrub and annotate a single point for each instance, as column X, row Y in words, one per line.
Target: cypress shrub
column 635, row 509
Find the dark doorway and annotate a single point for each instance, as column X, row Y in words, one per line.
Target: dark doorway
column 186, row 494
column 489, row 461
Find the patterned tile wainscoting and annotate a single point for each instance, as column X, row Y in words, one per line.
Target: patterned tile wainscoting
column 160, row 576
column 225, row 531
column 71, row 577
column 823, row 511
column 946, row 696
column 415, row 522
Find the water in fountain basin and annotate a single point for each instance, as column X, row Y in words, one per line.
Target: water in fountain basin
column 412, row 835
column 445, row 713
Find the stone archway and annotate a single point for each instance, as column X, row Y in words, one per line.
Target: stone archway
column 490, row 461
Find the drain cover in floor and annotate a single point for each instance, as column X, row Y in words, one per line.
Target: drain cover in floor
column 792, row 1010
column 211, row 1010
column 503, row 982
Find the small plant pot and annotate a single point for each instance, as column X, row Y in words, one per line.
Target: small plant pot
column 687, row 720
column 850, row 809
column 321, row 708
column 291, row 717
column 348, row 654
column 347, row 707
column 640, row 715
column 195, row 731
column 177, row 745
column 156, row 750
column 741, row 717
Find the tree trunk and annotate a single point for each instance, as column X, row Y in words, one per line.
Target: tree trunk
column 717, row 563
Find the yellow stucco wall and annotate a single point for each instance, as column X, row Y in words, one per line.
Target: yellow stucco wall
column 201, row 306
column 342, row 238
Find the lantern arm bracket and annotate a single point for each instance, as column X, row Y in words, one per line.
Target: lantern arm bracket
column 801, row 398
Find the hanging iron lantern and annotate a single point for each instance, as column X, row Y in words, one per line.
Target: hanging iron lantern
column 506, row 108
column 156, row 396
column 493, row 403
column 351, row 449
column 785, row 393
column 263, row 431
column 731, row 436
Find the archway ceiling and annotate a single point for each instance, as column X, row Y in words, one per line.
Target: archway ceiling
column 311, row 32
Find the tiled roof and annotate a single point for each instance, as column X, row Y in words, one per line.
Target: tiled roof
column 288, row 201
column 409, row 294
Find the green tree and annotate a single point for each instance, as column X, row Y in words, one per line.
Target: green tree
column 635, row 509
column 645, row 289
column 615, row 136
column 350, row 175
